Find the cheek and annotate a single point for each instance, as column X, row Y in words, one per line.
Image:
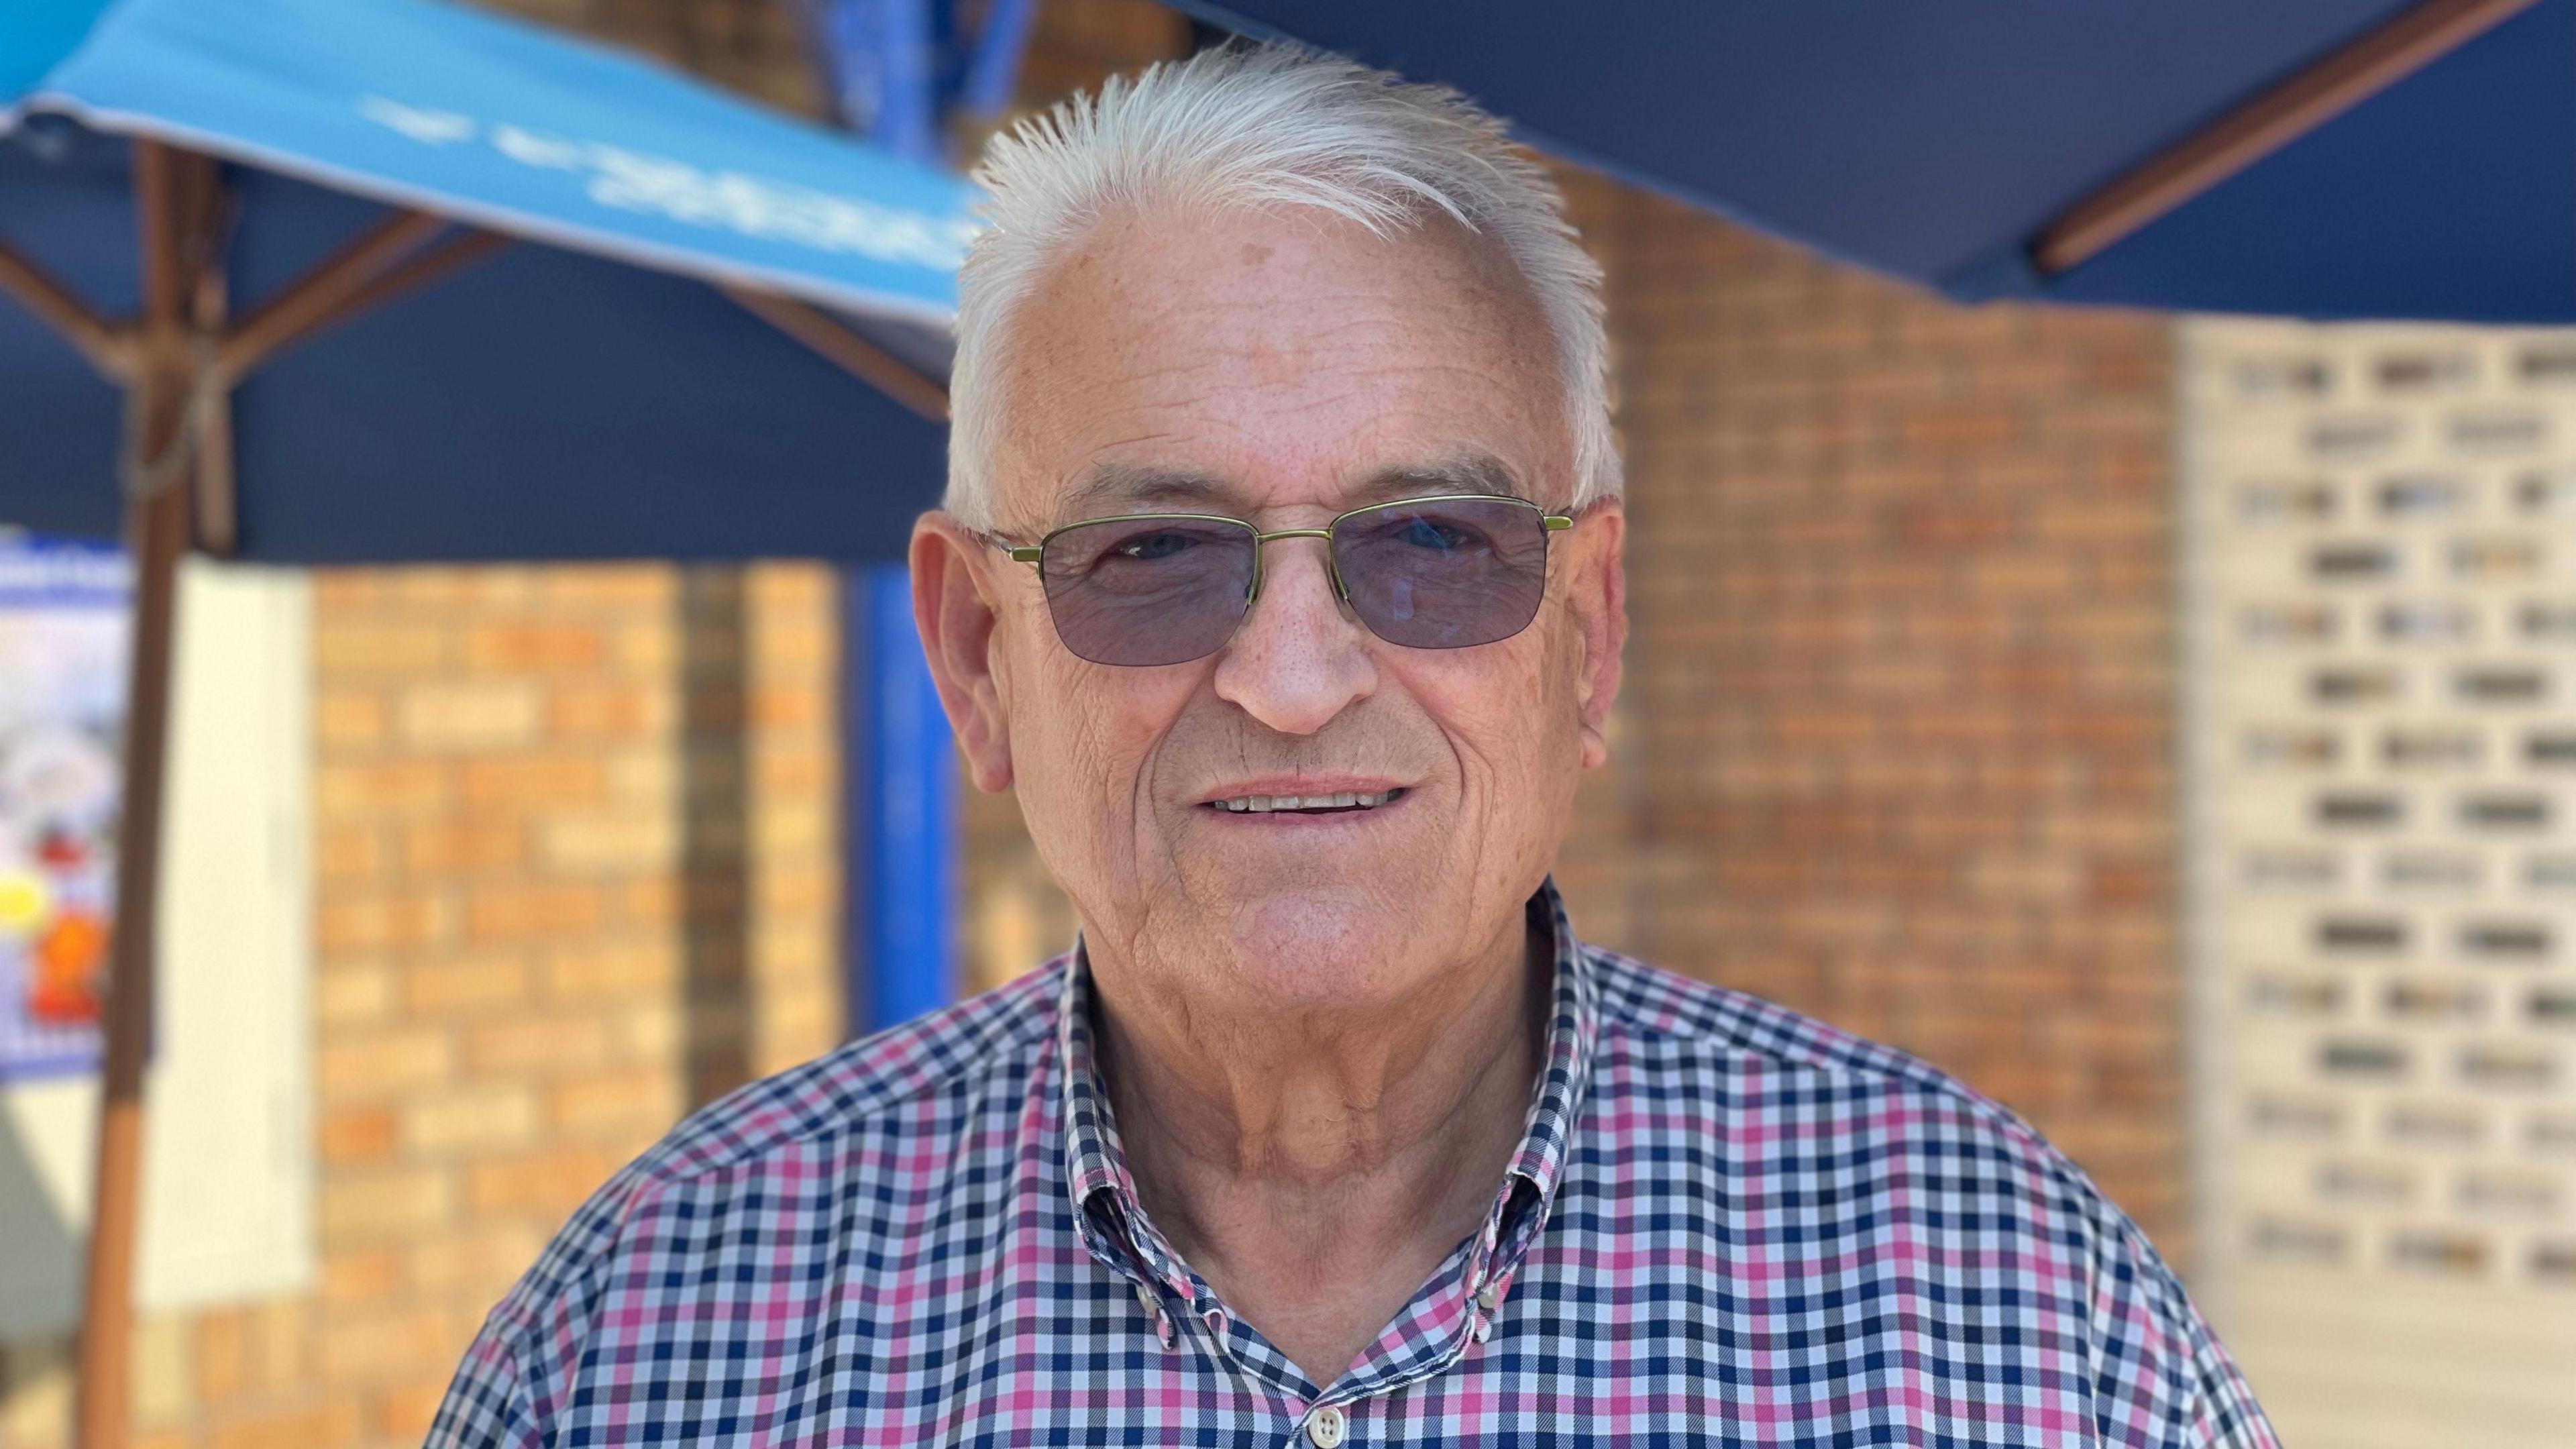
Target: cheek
column 1507, row 709
column 1090, row 732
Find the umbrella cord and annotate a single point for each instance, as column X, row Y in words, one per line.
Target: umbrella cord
column 143, row 477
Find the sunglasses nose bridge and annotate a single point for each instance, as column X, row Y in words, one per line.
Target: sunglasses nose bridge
column 1261, row 548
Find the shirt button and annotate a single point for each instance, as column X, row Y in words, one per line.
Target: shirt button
column 1488, row 1296
column 1326, row 1428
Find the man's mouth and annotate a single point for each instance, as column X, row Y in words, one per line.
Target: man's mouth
column 1341, row 803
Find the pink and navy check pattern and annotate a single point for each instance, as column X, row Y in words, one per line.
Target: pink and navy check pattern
column 1726, row 1224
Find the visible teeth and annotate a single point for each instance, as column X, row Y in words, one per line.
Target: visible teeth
column 1343, row 800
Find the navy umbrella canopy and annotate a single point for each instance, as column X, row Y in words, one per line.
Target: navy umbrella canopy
column 2320, row 158
column 599, row 388
column 541, row 402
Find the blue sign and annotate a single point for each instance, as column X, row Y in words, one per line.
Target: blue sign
column 63, row 640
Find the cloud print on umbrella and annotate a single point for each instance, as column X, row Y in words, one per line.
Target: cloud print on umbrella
column 631, row 181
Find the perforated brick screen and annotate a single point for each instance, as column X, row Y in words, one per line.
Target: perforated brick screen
column 2380, row 530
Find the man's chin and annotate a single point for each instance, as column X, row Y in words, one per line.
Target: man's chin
column 1310, row 943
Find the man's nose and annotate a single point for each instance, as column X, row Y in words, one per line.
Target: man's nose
column 1299, row 658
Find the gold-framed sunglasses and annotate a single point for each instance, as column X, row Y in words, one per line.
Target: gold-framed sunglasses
column 1442, row 572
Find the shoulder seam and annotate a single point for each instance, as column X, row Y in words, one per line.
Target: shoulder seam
column 1863, row 1057
column 868, row 1098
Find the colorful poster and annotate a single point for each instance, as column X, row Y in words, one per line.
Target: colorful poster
column 63, row 631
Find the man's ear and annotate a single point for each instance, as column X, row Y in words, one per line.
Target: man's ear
column 1598, row 595
column 955, row 611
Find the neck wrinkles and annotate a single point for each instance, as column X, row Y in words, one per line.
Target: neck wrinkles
column 1386, row 1105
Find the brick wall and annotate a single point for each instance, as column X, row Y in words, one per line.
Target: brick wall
column 1898, row 719
column 577, row 872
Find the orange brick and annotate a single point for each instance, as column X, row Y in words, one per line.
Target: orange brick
column 620, row 709
column 645, row 1099
column 466, row 985
column 446, row 590
column 608, row 589
column 655, row 902
column 358, row 1276
column 357, row 1135
column 481, row 1119
column 349, row 719
column 610, row 971
column 474, row 1264
column 479, row 714
column 632, row 841
column 373, row 792
column 363, row 1349
column 384, row 1204
column 456, row 847
column 532, row 645
column 354, row 1066
column 537, row 1045
column 323, row 1426
column 340, row 593
column 548, row 1183
column 529, row 911
column 349, row 854
column 352, row 993
column 355, row 921
column 404, row 1413
column 346, row 648
column 533, row 782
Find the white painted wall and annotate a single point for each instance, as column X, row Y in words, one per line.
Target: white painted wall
column 228, row 1170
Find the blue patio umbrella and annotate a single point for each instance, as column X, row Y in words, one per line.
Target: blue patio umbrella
column 2320, row 158
column 326, row 281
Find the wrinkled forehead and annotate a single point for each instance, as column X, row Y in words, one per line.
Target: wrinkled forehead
column 1248, row 363
column 1113, row 487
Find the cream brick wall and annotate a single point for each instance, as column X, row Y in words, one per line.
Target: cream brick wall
column 2380, row 601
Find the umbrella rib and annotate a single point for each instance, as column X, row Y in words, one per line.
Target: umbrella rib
column 107, row 347
column 319, row 296
column 2277, row 116
column 245, row 350
column 847, row 350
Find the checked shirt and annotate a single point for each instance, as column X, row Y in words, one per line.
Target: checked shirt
column 1726, row 1224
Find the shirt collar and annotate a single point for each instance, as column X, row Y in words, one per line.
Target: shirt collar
column 1103, row 1193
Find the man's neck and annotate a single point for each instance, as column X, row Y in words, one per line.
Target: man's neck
column 1316, row 1170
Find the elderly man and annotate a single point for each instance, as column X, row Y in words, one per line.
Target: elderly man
column 1280, row 576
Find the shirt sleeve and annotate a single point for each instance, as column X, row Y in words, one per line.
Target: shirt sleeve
column 2161, row 1378
column 518, row 1377
column 487, row 1403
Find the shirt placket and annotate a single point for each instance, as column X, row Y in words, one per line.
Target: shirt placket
column 1475, row 1292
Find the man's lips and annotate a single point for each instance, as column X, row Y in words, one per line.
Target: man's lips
column 1311, row 795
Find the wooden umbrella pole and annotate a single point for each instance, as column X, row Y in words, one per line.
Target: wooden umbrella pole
column 157, row 536
column 155, row 467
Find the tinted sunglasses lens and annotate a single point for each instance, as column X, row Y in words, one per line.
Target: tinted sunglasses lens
column 1444, row 574
column 1147, row 591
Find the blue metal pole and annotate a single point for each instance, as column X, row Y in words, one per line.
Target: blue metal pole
column 885, row 59
column 903, row 812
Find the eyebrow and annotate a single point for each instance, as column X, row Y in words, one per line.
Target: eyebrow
column 1463, row 472
column 1128, row 485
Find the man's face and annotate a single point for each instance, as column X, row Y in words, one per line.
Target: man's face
column 1281, row 370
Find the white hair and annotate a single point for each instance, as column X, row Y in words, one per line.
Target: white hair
column 1265, row 126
